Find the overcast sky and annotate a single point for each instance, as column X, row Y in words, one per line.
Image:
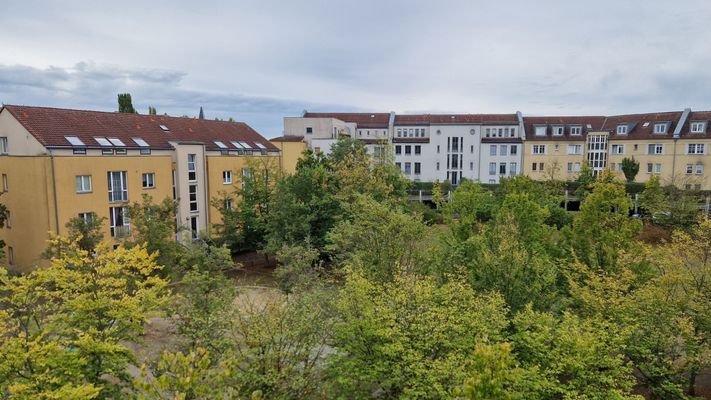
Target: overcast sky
column 258, row 61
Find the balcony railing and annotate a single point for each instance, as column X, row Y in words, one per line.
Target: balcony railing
column 120, row 232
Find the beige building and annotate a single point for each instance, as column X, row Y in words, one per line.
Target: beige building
column 58, row 164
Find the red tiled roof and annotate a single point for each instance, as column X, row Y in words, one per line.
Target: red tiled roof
column 427, row 119
column 697, row 116
column 288, row 138
column 529, row 123
column 50, row 126
column 636, row 122
column 363, row 120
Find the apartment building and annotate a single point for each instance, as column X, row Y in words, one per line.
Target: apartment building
column 57, row 164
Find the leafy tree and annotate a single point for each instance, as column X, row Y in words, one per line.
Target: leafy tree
column 344, row 147
column 437, row 195
column 630, row 167
column 64, row 328
column 653, row 199
column 495, row 374
column 86, row 233
column 470, row 205
column 585, row 181
column 155, row 225
column 125, row 104
column 410, row 337
column 152, row 111
column 602, row 229
column 299, row 268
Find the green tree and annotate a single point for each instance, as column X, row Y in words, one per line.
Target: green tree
column 64, row 327
column 152, row 111
column 495, row 374
column 585, row 181
column 630, row 167
column 410, row 337
column 125, row 105
column 87, row 233
column 469, row 206
column 155, row 226
column 653, row 199
column 376, row 238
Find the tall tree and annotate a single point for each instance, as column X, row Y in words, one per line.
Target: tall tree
column 125, row 105
column 630, row 167
column 152, row 110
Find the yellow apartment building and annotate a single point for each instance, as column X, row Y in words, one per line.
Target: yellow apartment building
column 290, row 148
column 57, row 164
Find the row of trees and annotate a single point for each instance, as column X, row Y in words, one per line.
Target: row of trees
column 510, row 299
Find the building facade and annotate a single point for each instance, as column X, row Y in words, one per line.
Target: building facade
column 58, row 164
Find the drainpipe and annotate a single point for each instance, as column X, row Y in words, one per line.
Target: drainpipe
column 54, row 193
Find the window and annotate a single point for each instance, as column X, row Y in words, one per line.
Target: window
column 488, row 132
column 418, row 168
column 246, row 175
column 650, row 168
column 228, row 204
column 192, row 172
column 226, row 177
column 492, row 168
column 514, row 150
column 503, row 149
column 660, row 128
column 118, row 221
column 612, row 166
column 11, row 255
column 576, row 130
column 570, row 167
column 418, row 149
column 512, row 132
column 149, row 180
column 398, row 165
column 539, row 149
column 654, row 149
column 576, row 167
column 617, row 149
column 3, row 145
column 492, row 149
column 502, row 168
column 689, row 169
column 699, row 169
column 408, row 149
column 558, row 130
column 120, row 152
column 399, row 132
column 534, row 166
column 5, row 186
column 541, row 131
column 513, row 167
column 8, row 220
column 471, row 149
column 408, row 168
column 118, row 188
column 193, row 197
column 471, row 165
column 657, row 168
column 540, row 167
column 194, row 227
column 437, row 165
column 437, row 149
column 622, row 129
column 575, row 149
column 87, row 217
column 698, row 127
column 695, row 148
column 83, row 183
column 309, row 130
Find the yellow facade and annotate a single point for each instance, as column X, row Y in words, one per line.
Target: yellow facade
column 555, row 160
column 290, row 153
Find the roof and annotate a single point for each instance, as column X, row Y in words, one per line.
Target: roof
column 636, row 128
column 437, row 119
column 50, row 126
column 287, row 138
column 697, row 116
column 363, row 120
column 587, row 123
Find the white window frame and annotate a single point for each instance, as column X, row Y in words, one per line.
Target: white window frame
column 83, row 184
column 695, row 148
column 577, row 149
column 558, row 130
column 538, row 149
column 658, row 168
column 617, row 149
column 622, row 129
column 492, row 149
column 118, row 194
column 148, row 180
column 576, row 130
column 541, row 130
column 227, row 177
column 113, row 219
column 192, row 167
column 699, row 169
column 660, row 128
column 4, row 145
column 193, row 206
column 697, row 127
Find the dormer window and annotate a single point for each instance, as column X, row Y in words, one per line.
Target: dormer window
column 541, row 131
column 660, row 128
column 576, row 130
column 698, row 127
column 558, row 130
column 622, row 129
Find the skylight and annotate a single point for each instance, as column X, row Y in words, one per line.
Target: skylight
column 646, row 124
column 237, row 145
column 220, row 144
column 75, row 141
column 589, row 126
column 164, row 128
column 245, row 145
column 103, row 141
column 116, row 142
column 261, row 146
column 140, row 142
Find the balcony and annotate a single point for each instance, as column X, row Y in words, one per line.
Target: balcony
column 120, row 232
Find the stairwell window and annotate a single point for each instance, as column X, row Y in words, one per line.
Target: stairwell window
column 193, row 197
column 513, row 168
column 118, row 188
column 3, row 145
column 192, row 172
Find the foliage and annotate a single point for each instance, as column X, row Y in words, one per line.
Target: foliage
column 630, row 167
column 585, row 181
column 152, row 110
column 298, row 268
column 87, row 235
column 653, row 199
column 495, row 374
column 470, row 205
column 63, row 328
column 155, row 226
column 376, row 238
column 125, row 104
column 408, row 338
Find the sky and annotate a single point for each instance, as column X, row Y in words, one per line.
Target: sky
column 259, row 61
